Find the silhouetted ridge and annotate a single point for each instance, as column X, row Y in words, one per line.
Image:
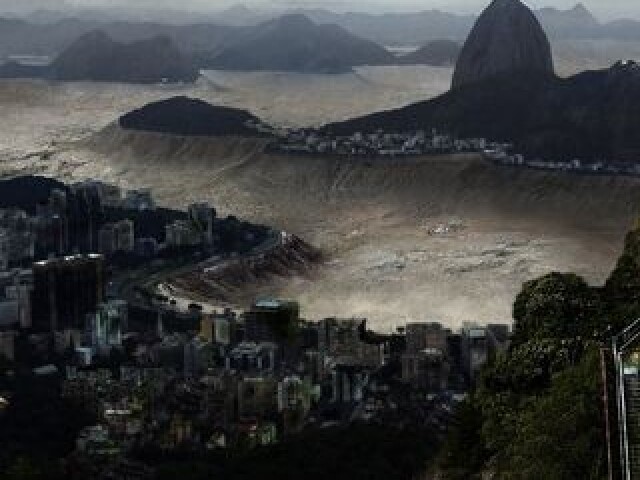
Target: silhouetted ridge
column 186, row 116
column 592, row 115
column 295, row 43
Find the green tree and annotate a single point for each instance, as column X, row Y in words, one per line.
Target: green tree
column 23, row 469
column 561, row 435
column 464, row 453
column 556, row 306
column 622, row 289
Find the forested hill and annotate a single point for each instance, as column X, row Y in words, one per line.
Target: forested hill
column 186, row 116
column 538, row 410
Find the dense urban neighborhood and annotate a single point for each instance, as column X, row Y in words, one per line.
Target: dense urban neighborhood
column 277, row 241
column 150, row 373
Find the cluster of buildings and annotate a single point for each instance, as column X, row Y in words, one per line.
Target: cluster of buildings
column 227, row 379
column 115, row 197
column 156, row 377
column 93, row 216
column 438, row 359
column 195, row 230
column 53, row 301
column 501, row 156
column 384, row 144
column 376, row 144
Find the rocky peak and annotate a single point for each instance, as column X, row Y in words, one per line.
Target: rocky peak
column 507, row 38
column 580, row 9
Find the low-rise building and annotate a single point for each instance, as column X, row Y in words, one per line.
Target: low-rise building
column 421, row 336
column 427, row 369
column 199, row 355
column 257, row 397
column 348, row 383
column 271, row 320
column 253, row 357
column 182, row 233
column 140, row 200
column 342, row 340
column 117, row 237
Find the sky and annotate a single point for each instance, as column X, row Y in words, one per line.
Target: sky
column 604, row 9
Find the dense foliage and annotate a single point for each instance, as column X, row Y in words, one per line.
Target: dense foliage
column 357, row 451
column 38, row 429
column 538, row 410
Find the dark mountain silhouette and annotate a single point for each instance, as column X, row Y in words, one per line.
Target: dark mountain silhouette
column 437, row 53
column 295, row 43
column 507, row 38
column 592, row 116
column 96, row 57
column 186, row 116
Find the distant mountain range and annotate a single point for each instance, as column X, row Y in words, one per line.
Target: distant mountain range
column 419, row 28
column 592, row 116
column 295, row 43
column 96, row 57
column 307, row 41
column 288, row 43
column 399, row 28
column 21, row 37
column 577, row 21
column 48, row 32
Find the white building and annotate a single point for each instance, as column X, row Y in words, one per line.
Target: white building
column 107, row 324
